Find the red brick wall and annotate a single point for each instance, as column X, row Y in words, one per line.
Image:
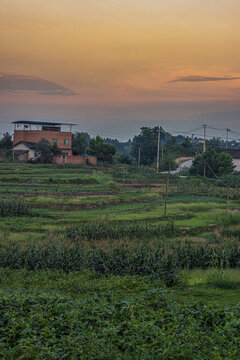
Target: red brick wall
column 58, row 159
column 78, row 159
column 37, row 135
column 68, row 151
column 92, row 159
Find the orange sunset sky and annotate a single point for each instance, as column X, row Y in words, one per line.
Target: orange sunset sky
column 112, row 66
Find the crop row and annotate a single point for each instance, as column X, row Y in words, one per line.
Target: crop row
column 205, row 189
column 162, row 261
column 116, row 230
column 14, row 208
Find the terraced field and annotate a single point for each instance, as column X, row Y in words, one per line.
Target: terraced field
column 61, row 197
column 91, row 267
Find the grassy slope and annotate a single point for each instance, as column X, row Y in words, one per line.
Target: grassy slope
column 134, row 203
column 197, row 286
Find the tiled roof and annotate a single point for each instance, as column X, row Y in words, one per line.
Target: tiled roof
column 29, row 144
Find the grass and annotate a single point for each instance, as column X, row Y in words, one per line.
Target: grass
column 213, row 285
column 111, row 308
column 145, row 211
column 57, row 204
column 88, row 199
column 198, row 285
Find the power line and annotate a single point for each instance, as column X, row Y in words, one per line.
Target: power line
column 197, row 134
column 217, row 177
column 214, row 128
column 183, row 132
column 234, row 132
column 117, row 135
column 235, row 189
column 189, row 131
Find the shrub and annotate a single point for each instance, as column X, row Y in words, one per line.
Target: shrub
column 14, row 208
column 149, row 326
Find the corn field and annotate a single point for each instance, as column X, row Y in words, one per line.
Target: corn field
column 14, row 208
column 117, row 230
column 164, row 261
column 206, row 190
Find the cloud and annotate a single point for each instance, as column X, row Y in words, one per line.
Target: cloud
column 14, row 82
column 200, row 78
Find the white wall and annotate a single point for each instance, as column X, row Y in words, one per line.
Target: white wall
column 31, row 152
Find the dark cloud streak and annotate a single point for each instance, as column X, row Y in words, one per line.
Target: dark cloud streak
column 14, row 82
column 199, row 78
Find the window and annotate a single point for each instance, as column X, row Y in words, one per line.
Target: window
column 65, row 141
column 54, row 141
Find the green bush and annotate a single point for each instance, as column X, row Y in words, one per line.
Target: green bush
column 83, row 180
column 10, row 179
column 231, row 180
column 112, row 185
column 14, row 208
column 205, row 188
column 45, row 327
column 212, row 164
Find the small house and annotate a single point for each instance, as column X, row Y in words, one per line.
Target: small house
column 28, row 133
column 25, row 150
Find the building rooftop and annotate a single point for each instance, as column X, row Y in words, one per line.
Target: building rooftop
column 29, row 144
column 28, row 122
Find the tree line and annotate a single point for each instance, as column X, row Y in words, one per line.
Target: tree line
column 145, row 144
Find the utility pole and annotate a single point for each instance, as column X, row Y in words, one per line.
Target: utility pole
column 227, row 201
column 193, row 141
column 204, row 168
column 204, row 150
column 204, row 137
column 158, row 148
column 227, row 138
column 139, row 156
column 116, row 174
column 166, row 190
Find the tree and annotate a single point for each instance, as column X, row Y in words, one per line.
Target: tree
column 123, row 148
column 80, row 143
column 125, row 159
column 187, row 147
column 214, row 143
column 44, row 151
column 6, row 144
column 179, row 146
column 215, row 164
column 166, row 163
column 147, row 141
column 225, row 164
column 104, row 152
column 55, row 150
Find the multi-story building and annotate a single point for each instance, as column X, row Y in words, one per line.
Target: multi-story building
column 28, row 133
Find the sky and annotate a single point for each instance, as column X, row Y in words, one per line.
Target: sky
column 113, row 66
